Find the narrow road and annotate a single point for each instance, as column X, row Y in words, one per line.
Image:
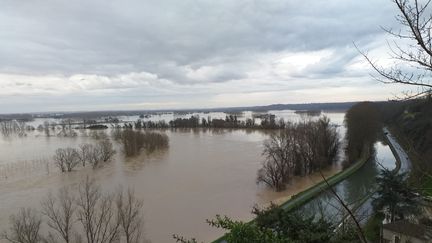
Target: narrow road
column 406, row 164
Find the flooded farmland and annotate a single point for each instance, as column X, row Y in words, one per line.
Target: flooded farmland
column 202, row 173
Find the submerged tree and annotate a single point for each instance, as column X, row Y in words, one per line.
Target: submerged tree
column 134, row 141
column 105, row 150
column 279, row 160
column 60, row 211
column 130, row 217
column 25, row 227
column 66, row 159
column 89, row 215
column 298, row 150
column 96, row 213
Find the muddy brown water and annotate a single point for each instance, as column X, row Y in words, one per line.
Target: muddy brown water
column 201, row 174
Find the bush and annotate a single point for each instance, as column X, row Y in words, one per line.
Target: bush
column 134, row 141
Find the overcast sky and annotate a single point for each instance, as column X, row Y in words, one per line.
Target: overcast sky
column 155, row 54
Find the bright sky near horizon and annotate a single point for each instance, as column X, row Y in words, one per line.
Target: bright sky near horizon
column 61, row 55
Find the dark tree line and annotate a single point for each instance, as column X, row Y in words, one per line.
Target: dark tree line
column 298, row 150
column 140, row 124
column 363, row 126
column 268, row 121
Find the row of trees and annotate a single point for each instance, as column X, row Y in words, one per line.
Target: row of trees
column 8, row 127
column 231, row 121
column 363, row 126
column 88, row 215
column 298, row 150
column 66, row 159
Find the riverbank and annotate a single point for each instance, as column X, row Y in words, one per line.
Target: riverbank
column 303, row 197
column 314, row 190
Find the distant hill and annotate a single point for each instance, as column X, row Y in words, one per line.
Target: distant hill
column 340, row 106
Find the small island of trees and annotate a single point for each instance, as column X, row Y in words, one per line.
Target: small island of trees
column 298, row 150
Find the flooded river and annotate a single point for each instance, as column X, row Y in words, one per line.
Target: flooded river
column 201, row 174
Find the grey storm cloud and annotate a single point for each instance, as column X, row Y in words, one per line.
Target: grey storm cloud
column 107, row 37
column 167, row 45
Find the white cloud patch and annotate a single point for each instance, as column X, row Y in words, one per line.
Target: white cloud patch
column 84, row 55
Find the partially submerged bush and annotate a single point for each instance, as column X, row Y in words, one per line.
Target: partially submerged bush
column 134, row 141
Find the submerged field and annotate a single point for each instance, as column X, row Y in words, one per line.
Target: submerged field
column 202, row 173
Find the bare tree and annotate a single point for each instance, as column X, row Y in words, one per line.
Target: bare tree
column 97, row 217
column 94, row 155
column 130, row 216
column 97, row 214
column 105, row 150
column 278, row 165
column 25, row 227
column 60, row 212
column 413, row 62
column 298, row 150
column 84, row 153
column 66, row 159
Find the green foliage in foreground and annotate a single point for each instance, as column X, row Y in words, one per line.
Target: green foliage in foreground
column 293, row 227
column 426, row 187
column 276, row 225
column 373, row 226
column 395, row 196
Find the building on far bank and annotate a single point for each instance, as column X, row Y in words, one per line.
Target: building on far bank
column 405, row 232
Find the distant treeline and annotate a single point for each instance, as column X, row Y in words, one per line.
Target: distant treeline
column 340, row 106
column 267, row 121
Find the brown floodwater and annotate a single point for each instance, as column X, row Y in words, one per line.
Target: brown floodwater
column 201, row 174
